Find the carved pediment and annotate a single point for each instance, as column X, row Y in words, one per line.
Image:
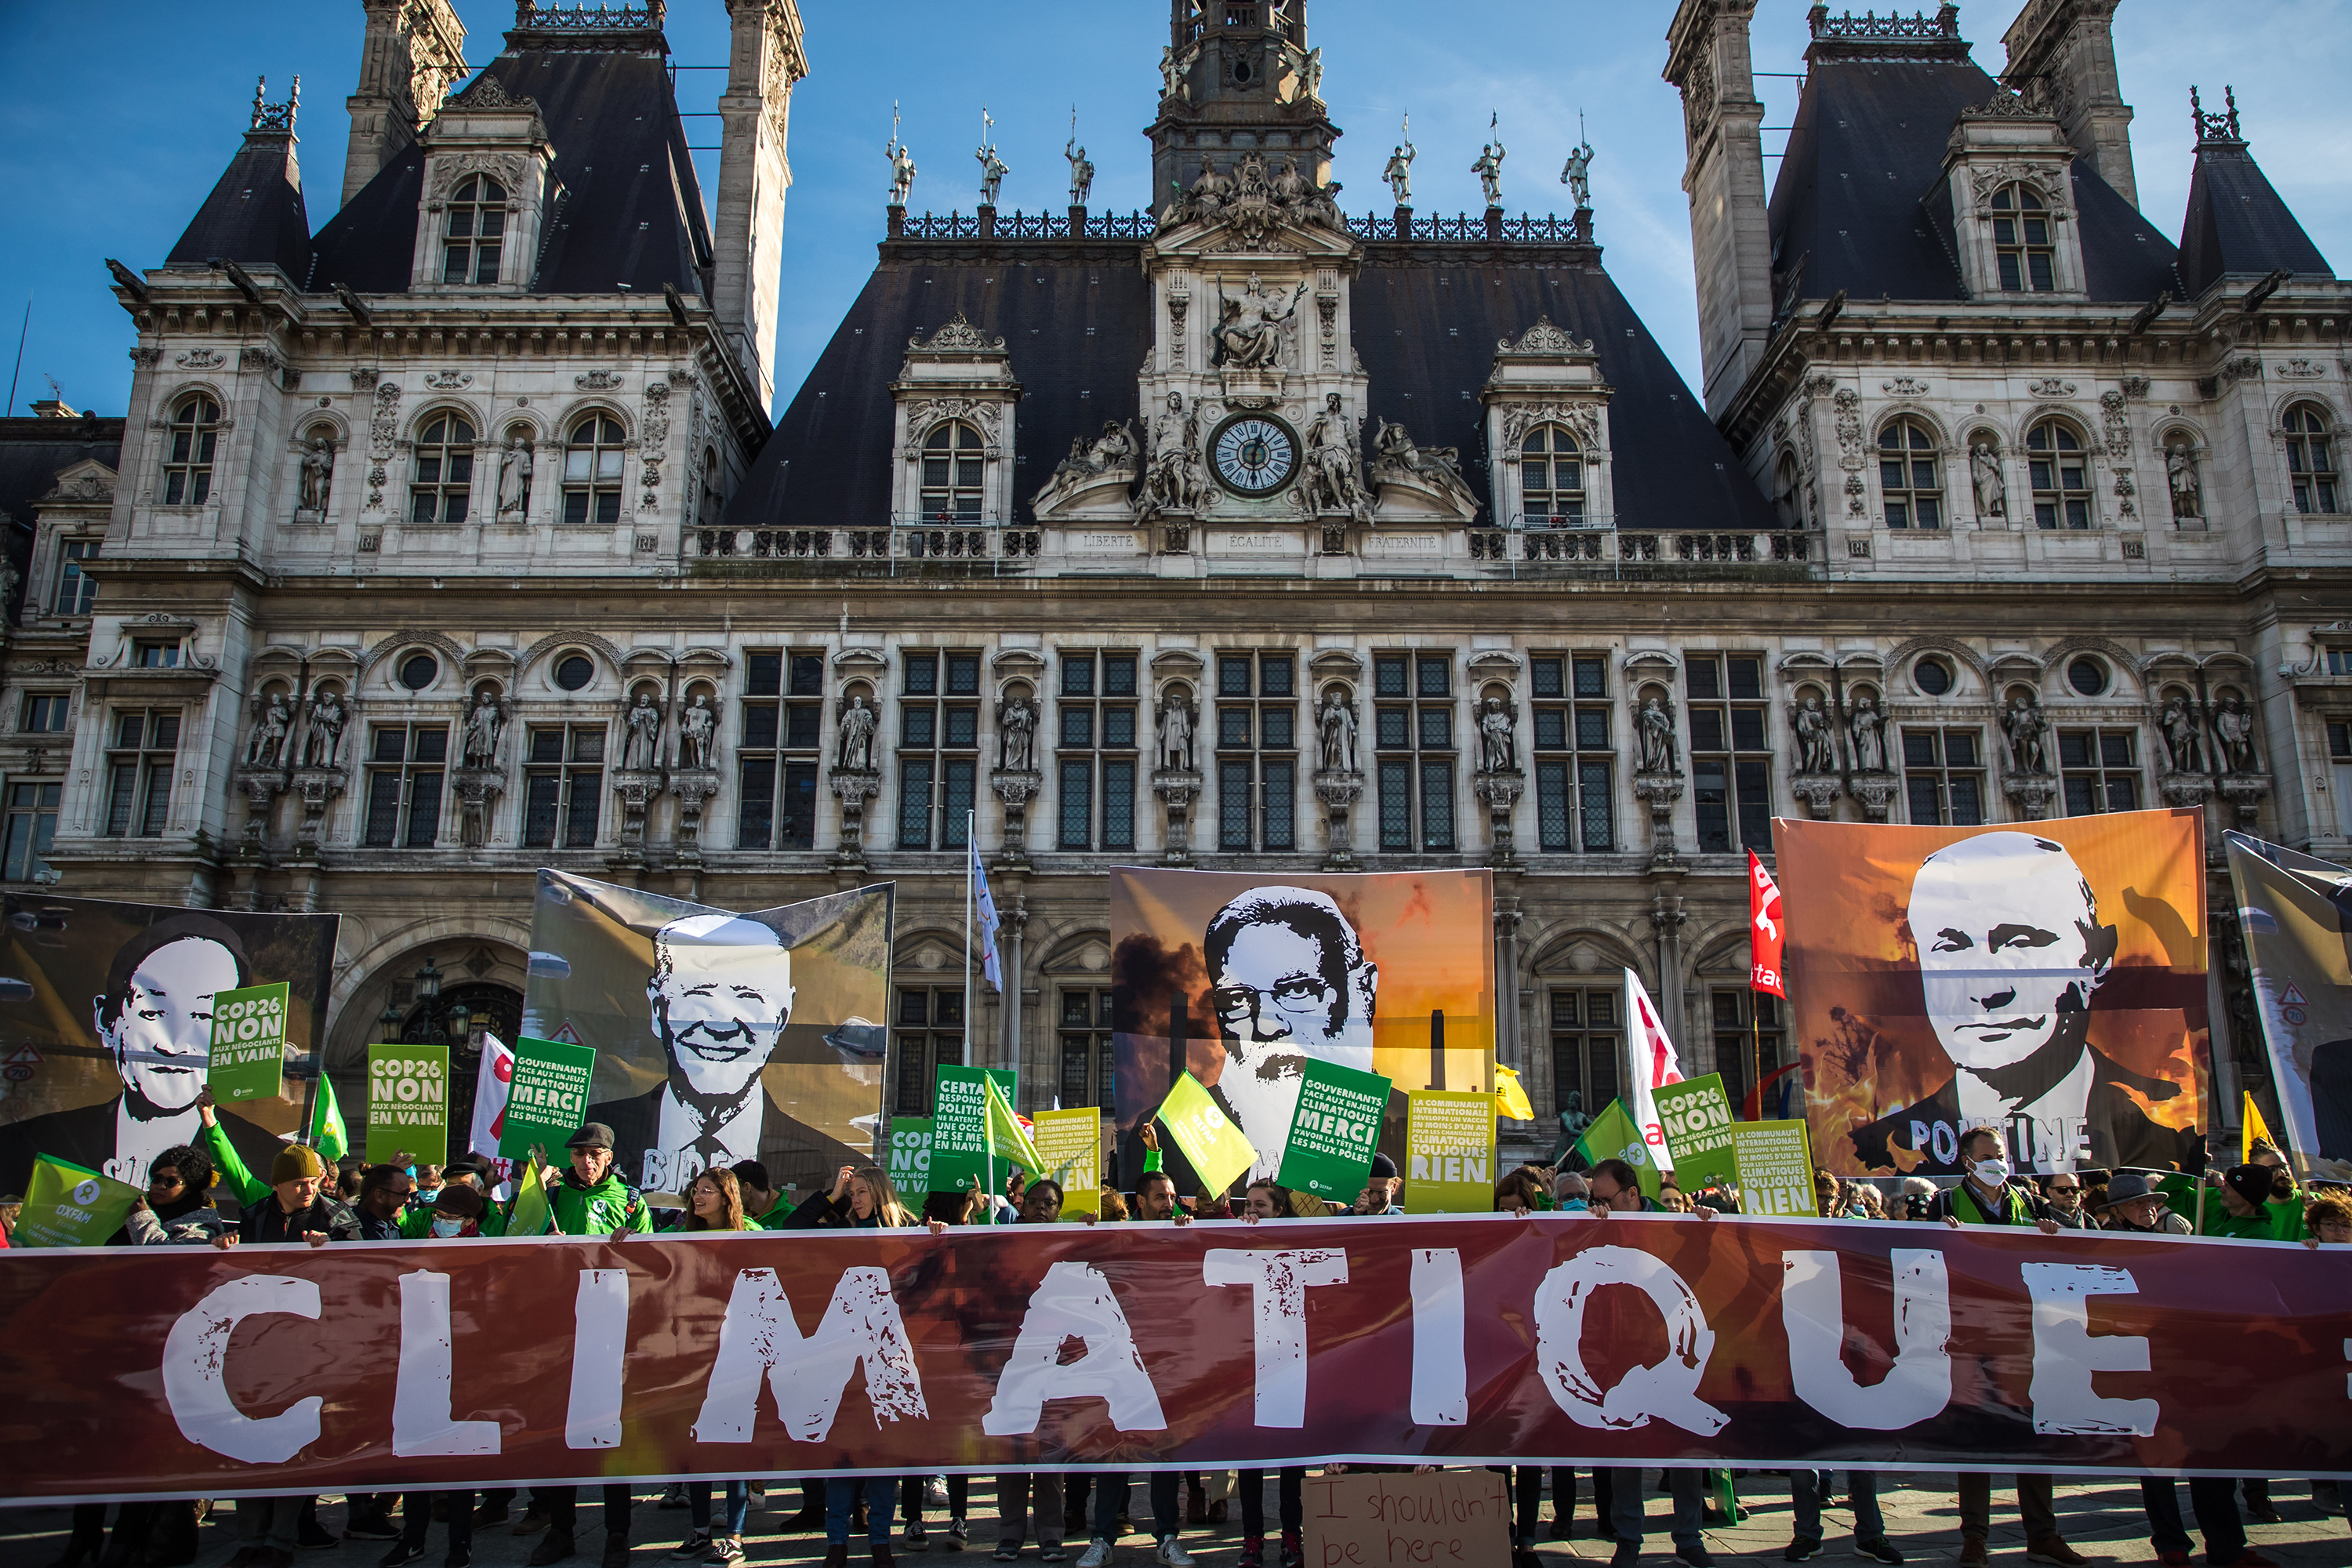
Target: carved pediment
column 1544, row 339
column 958, row 336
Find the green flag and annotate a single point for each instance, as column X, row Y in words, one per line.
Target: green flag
column 1007, row 1139
column 532, row 1211
column 327, row 1134
column 69, row 1205
column 1614, row 1135
column 1218, row 1150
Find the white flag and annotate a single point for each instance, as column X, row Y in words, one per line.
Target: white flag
column 1655, row 1065
column 988, row 921
column 490, row 1097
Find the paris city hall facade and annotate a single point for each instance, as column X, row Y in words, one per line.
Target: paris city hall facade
column 454, row 540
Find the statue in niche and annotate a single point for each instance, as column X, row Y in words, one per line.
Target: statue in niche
column 318, row 471
column 2177, row 725
column 270, row 732
column 1867, row 729
column 641, row 743
column 2024, row 728
column 854, row 750
column 1248, row 334
column 1336, row 722
column 1016, row 731
column 482, row 727
column 1172, row 478
column 322, row 743
column 1660, row 752
column 2233, row 727
column 698, row 735
column 2180, row 473
column 1811, row 724
column 1175, row 735
column 1499, row 747
column 514, row 475
column 1984, row 475
column 1332, row 481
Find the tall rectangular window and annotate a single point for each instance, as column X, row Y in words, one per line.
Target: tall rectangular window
column 139, row 762
column 1413, row 737
column 31, row 824
column 1746, row 1022
column 1257, row 751
column 77, row 590
column 1575, row 754
column 939, row 747
column 44, row 713
column 2339, row 764
column 1586, row 1045
column 563, row 786
column 2099, row 770
column 777, row 757
column 1731, row 762
column 1944, row 778
column 928, row 1028
column 407, row 764
column 1097, row 752
column 1084, row 1041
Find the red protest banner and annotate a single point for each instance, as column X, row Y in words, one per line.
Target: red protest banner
column 1451, row 1340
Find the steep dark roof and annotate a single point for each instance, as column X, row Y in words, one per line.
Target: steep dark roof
column 1863, row 201
column 1078, row 329
column 2237, row 224
column 255, row 216
column 628, row 210
column 32, row 451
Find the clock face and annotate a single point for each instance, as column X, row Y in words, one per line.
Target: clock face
column 1254, row 454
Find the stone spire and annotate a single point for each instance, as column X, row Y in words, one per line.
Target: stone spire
column 1237, row 76
column 414, row 51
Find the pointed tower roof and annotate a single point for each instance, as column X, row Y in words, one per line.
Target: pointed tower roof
column 255, row 216
column 2236, row 224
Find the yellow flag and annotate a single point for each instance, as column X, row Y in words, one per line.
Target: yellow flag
column 532, row 1211
column 2255, row 1132
column 1218, row 1150
column 1511, row 1095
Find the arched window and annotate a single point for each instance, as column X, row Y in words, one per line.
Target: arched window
column 2020, row 238
column 444, row 471
column 709, row 510
column 2310, row 459
column 188, row 451
column 476, row 232
column 953, row 461
column 592, row 471
column 2062, row 476
column 1909, row 477
column 1551, row 476
column 1788, row 487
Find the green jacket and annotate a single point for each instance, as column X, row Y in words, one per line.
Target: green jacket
column 416, row 1224
column 611, row 1204
column 249, row 1188
column 2281, row 1219
column 776, row 1216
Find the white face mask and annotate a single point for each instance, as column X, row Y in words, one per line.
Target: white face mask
column 447, row 1226
column 1993, row 1173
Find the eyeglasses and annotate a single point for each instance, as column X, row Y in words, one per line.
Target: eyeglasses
column 2055, row 1190
column 1295, row 997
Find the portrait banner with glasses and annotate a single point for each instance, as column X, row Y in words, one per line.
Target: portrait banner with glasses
column 1274, row 973
column 718, row 1036
column 2047, row 981
column 111, row 1010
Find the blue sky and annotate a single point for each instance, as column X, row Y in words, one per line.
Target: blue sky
column 116, row 119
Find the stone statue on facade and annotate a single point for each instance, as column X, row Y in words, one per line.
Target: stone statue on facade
column 2233, row 727
column 2176, row 726
column 1489, row 170
column 854, row 750
column 1175, row 736
column 1210, row 191
column 1017, row 733
column 270, row 729
column 1577, row 174
column 2023, row 727
column 480, row 749
column 1248, row 334
column 1810, row 724
column 1498, row 744
column 1310, row 74
column 1984, row 475
column 1867, row 729
column 514, row 475
column 993, row 169
column 698, row 735
column 2180, row 472
column 1660, row 752
column 322, row 742
column 1082, row 169
column 1336, row 722
column 1289, row 187
column 1398, row 456
column 1168, row 88
column 902, row 164
column 641, row 742
column 1332, row 480
column 1398, row 173
column 1171, row 476
column 318, row 471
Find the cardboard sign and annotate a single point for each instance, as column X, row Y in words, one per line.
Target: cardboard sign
column 1697, row 1116
column 1070, row 1144
column 547, row 1100
column 1436, row 1521
column 408, row 1105
column 1776, row 1169
column 1449, row 1151
column 908, row 1162
column 961, row 1161
column 249, row 1055
column 1334, row 1133
column 69, row 1205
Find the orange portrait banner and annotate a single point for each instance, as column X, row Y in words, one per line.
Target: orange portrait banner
column 2046, row 980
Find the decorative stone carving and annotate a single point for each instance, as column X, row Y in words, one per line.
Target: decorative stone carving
column 1499, row 741
column 318, row 786
column 1399, row 170
column 201, row 359
column 1500, row 790
column 2032, row 793
column 1866, row 730
column 698, row 735
column 383, row 433
column 852, row 790
column 993, row 169
column 1985, row 478
column 596, row 380
column 318, row 472
column 515, row 464
column 958, row 336
column 1810, row 723
column 2233, row 734
column 641, row 735
column 1820, row 793
column 1333, row 477
column 322, row 742
column 1904, row 386
column 1172, row 479
column 272, row 728
column 1489, row 170
column 1175, row 734
column 2024, row 728
column 478, row 790
column 2051, row 386
column 483, row 727
column 1335, row 724
column 1874, row 793
column 1016, row 734
column 902, row 165
column 1848, row 403
column 449, row 380
column 2185, row 789
column 1177, row 788
column 2177, row 728
column 2181, row 477
column 1252, row 327
column 1082, row 169
column 694, row 788
column 854, row 739
column 1660, row 752
column 1659, row 791
column 2116, row 427
column 1543, row 339
column 1397, row 460
column 2245, row 792
column 1110, row 458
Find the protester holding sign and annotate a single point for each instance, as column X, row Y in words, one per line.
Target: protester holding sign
column 591, row 1199
column 178, row 1209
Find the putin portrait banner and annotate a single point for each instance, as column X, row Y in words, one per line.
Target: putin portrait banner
column 108, row 1012
column 718, row 1037
column 2046, row 980
column 1275, row 973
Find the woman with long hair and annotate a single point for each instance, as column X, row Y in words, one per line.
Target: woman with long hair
column 715, row 1201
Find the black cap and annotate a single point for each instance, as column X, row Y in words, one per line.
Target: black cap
column 1383, row 1167
column 595, row 1135
column 463, row 1203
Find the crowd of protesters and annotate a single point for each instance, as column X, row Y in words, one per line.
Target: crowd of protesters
column 306, row 1201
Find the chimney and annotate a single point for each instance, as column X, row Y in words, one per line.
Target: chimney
column 765, row 59
column 1723, row 175
column 413, row 54
column 2062, row 60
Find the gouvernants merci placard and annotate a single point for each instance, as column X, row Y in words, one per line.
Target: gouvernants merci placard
column 547, row 1100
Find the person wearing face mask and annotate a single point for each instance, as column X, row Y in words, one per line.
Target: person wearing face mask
column 463, row 1171
column 1987, row 1196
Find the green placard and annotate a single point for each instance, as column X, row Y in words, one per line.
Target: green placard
column 1449, row 1151
column 1335, row 1130
column 960, row 1157
column 910, row 1158
column 1695, row 1116
column 69, row 1205
column 249, row 1055
column 547, row 1100
column 408, row 1105
column 1776, row 1169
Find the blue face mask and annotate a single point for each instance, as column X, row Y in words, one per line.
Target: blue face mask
column 1574, row 1205
column 447, row 1226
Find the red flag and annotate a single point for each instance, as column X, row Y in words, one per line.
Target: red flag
column 1766, row 931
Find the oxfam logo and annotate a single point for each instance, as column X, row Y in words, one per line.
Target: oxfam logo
column 86, row 1194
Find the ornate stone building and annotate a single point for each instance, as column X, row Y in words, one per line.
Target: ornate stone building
column 1250, row 532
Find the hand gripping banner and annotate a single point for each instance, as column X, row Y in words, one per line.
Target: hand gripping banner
column 1451, row 1340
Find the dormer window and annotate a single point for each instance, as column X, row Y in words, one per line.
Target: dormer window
column 1551, row 476
column 955, row 462
column 475, row 232
column 188, row 451
column 2021, row 244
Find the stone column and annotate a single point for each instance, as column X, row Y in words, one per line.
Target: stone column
column 1667, row 918
column 1012, row 922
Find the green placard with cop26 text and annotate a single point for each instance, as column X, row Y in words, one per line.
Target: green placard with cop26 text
column 408, row 1105
column 248, row 1055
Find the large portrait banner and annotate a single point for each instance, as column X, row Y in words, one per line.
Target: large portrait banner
column 2296, row 915
column 2046, row 980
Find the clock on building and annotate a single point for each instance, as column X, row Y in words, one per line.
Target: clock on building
column 1253, row 454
